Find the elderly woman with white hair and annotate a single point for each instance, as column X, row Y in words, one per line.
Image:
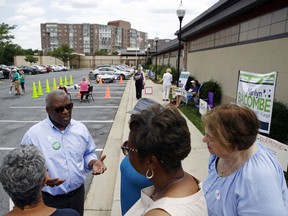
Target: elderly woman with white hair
column 167, row 81
column 23, row 174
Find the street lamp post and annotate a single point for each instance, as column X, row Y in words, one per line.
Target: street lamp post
column 156, row 41
column 147, row 54
column 180, row 13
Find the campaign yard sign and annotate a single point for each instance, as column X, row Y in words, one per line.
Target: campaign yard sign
column 279, row 150
column 256, row 91
column 183, row 79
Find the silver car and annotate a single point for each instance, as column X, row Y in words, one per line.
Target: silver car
column 101, row 71
column 113, row 69
column 1, row 75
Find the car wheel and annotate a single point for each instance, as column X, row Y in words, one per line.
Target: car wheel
column 123, row 77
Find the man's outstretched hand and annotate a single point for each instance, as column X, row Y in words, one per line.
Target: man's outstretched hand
column 54, row 181
column 99, row 166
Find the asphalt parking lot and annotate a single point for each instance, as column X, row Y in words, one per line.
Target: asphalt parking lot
column 19, row 113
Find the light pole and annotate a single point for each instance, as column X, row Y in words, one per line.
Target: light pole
column 147, row 54
column 180, row 13
column 156, row 41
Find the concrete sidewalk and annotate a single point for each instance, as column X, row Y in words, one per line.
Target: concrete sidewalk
column 103, row 198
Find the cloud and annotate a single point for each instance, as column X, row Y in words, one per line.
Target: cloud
column 154, row 17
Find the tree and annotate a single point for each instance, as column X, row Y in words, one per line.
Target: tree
column 64, row 53
column 31, row 59
column 101, row 52
column 5, row 29
column 9, row 51
column 5, row 41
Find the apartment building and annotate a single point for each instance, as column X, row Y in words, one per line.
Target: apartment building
column 89, row 38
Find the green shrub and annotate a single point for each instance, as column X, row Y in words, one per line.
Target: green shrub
column 279, row 126
column 211, row 86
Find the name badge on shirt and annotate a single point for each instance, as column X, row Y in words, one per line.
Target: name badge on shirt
column 56, row 145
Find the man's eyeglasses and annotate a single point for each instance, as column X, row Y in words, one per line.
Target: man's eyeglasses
column 126, row 150
column 61, row 109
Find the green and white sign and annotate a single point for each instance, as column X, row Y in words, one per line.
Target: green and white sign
column 256, row 91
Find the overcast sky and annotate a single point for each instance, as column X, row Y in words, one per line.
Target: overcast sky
column 156, row 17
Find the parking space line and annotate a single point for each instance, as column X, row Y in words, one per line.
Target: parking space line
column 99, row 150
column 6, row 148
column 83, row 121
column 10, row 148
column 17, row 121
column 77, row 107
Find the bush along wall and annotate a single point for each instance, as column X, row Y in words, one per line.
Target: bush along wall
column 279, row 126
column 211, row 86
column 279, row 122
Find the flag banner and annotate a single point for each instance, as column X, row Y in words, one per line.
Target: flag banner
column 256, row 91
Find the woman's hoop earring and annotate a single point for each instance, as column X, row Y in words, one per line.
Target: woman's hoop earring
column 147, row 174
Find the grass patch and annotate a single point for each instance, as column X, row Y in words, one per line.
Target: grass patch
column 192, row 113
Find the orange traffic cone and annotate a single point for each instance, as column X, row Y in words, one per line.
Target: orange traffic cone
column 79, row 94
column 100, row 81
column 121, row 81
column 107, row 93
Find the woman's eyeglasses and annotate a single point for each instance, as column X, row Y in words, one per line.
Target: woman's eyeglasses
column 61, row 109
column 126, row 150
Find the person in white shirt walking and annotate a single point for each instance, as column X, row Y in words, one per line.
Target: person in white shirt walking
column 167, row 80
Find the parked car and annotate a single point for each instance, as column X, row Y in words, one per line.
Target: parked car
column 48, row 68
column 63, row 67
column 111, row 68
column 1, row 75
column 40, row 69
column 101, row 71
column 5, row 70
column 122, row 72
column 55, row 68
column 126, row 68
column 28, row 70
column 106, row 78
